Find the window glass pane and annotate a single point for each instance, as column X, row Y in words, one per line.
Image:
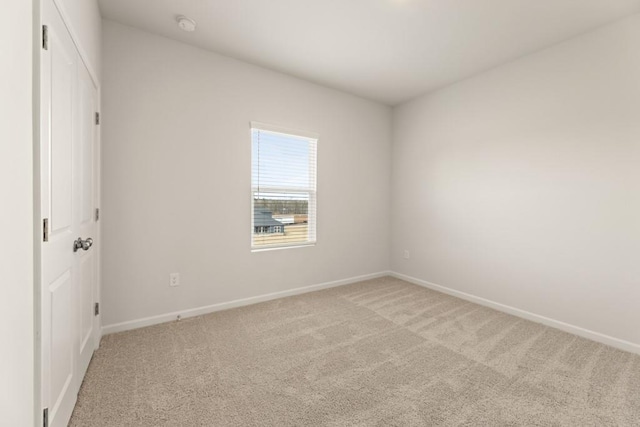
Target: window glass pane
column 280, row 160
column 283, row 189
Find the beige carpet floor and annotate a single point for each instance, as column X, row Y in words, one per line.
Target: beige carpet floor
column 377, row 353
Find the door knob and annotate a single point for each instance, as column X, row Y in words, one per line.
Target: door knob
column 82, row 244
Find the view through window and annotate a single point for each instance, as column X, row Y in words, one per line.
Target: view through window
column 283, row 187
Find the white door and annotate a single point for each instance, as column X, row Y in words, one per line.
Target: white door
column 68, row 155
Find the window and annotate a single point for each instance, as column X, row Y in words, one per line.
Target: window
column 283, row 187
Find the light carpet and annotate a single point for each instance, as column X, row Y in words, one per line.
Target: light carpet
column 377, row 353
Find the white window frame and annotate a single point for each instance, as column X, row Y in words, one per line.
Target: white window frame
column 312, row 216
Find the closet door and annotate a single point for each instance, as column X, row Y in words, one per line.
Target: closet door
column 68, row 185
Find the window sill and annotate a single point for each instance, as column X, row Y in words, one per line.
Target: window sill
column 280, row 247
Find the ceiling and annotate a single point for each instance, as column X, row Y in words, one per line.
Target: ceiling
column 385, row 50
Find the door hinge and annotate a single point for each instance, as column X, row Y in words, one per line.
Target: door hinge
column 97, row 118
column 97, row 214
column 45, row 230
column 45, row 37
column 45, row 417
column 96, row 309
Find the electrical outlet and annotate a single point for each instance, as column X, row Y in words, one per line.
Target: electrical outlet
column 406, row 254
column 174, row 279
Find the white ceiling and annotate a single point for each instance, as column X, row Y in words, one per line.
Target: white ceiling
column 386, row 50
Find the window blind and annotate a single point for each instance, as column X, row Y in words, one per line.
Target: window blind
column 283, row 187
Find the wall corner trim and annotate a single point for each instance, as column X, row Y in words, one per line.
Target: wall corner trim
column 193, row 312
column 572, row 329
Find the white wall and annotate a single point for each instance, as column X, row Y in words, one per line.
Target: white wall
column 86, row 25
column 522, row 185
column 16, row 245
column 176, row 178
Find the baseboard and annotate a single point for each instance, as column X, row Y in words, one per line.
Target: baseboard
column 576, row 330
column 168, row 317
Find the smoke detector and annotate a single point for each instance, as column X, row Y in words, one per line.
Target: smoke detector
column 186, row 24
